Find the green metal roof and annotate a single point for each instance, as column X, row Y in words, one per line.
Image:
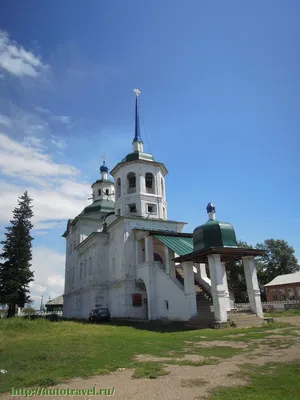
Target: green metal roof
column 102, row 181
column 100, row 205
column 180, row 245
column 214, row 234
column 137, row 155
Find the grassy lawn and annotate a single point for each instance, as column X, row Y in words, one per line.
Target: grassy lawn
column 41, row 352
column 273, row 381
column 288, row 313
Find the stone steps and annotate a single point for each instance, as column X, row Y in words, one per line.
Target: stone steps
column 179, row 271
column 205, row 316
column 244, row 319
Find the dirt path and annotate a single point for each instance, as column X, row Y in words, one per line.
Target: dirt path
column 183, row 382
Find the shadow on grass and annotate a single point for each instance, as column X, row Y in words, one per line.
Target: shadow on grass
column 154, row 326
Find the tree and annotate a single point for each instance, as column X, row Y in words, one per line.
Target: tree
column 236, row 277
column 15, row 273
column 279, row 259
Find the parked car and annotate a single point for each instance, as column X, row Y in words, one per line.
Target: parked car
column 99, row 314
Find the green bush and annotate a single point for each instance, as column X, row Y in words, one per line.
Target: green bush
column 52, row 317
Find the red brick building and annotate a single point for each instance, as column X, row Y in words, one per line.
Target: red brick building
column 284, row 287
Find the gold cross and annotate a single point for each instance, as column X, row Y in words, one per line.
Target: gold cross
column 104, row 156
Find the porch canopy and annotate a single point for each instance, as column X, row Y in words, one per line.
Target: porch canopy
column 180, row 243
column 227, row 254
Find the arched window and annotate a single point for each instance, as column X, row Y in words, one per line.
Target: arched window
column 118, row 188
column 158, row 258
column 162, row 187
column 131, row 179
column 149, row 180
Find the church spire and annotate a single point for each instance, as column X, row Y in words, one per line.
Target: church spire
column 137, row 141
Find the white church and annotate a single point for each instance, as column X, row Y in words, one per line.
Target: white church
column 124, row 254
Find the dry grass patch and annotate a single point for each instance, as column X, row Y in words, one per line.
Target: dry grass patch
column 196, row 382
column 194, row 358
column 220, row 343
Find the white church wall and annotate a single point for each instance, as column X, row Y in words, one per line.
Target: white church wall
column 116, row 253
column 171, row 301
column 131, row 311
column 165, row 298
column 88, row 226
column 89, row 272
column 116, row 300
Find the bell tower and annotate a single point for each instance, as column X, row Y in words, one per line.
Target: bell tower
column 140, row 180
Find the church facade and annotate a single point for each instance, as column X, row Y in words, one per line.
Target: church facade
column 122, row 252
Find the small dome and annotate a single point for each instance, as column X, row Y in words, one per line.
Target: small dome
column 210, row 208
column 213, row 234
column 103, row 167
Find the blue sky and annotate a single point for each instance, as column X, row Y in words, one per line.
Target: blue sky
column 219, row 106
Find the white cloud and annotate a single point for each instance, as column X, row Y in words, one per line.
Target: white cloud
column 59, row 143
column 48, row 266
column 43, row 110
column 51, row 206
column 16, row 60
column 34, row 141
column 42, row 226
column 16, row 159
column 56, row 192
column 4, row 120
column 64, row 119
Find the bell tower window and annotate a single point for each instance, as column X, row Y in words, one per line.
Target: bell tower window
column 132, row 208
column 151, row 208
column 149, row 178
column 131, row 178
column 99, row 192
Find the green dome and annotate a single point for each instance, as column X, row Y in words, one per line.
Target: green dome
column 100, row 206
column 214, row 234
column 137, row 155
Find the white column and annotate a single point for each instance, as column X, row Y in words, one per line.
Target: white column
column 189, row 286
column 252, row 286
column 172, row 269
column 167, row 260
column 202, row 270
column 149, row 249
column 217, row 287
column 141, row 183
column 225, row 283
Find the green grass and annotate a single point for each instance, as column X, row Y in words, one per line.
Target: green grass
column 40, row 352
column 150, row 370
column 273, row 381
column 278, row 314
